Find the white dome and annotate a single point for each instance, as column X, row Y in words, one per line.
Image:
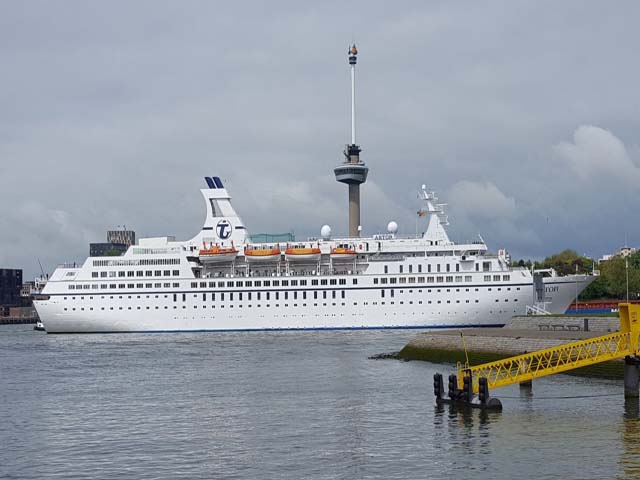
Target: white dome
column 392, row 227
column 325, row 232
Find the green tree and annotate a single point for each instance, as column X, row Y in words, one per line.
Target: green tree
column 597, row 290
column 567, row 262
column 614, row 273
column 634, row 260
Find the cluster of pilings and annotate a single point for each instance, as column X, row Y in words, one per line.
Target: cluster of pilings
column 464, row 397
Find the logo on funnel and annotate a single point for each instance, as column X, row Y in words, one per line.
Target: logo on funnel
column 224, row 229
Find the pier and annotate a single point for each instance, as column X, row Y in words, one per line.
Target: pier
column 478, row 379
column 520, row 335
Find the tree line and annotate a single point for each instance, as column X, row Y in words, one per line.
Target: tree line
column 612, row 282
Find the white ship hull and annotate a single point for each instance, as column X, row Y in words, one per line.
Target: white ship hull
column 362, row 308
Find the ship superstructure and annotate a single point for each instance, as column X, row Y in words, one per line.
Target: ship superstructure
column 219, row 280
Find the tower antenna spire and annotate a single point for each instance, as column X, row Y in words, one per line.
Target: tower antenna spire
column 353, row 172
column 353, row 58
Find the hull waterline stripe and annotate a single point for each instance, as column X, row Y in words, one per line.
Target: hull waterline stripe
column 292, row 329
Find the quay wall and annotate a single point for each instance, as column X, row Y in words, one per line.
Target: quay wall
column 488, row 345
column 19, row 315
column 17, row 320
column 540, row 322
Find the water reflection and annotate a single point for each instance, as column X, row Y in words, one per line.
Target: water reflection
column 630, row 435
column 466, row 435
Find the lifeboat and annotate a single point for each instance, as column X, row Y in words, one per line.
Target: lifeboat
column 262, row 255
column 216, row 254
column 343, row 253
column 302, row 254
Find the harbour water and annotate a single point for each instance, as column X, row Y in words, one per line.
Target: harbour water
column 285, row 405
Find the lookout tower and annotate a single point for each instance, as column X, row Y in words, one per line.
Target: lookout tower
column 353, row 171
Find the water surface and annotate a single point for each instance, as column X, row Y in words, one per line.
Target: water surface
column 285, row 405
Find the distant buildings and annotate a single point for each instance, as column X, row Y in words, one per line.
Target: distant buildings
column 123, row 237
column 118, row 241
column 623, row 252
column 10, row 286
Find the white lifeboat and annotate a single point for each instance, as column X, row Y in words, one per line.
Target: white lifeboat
column 302, row 254
column 262, row 254
column 216, row 254
column 343, row 253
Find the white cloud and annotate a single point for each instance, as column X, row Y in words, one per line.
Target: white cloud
column 481, row 200
column 596, row 152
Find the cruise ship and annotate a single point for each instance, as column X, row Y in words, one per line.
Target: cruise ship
column 220, row 280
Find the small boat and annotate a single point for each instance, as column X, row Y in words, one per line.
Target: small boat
column 39, row 326
column 343, row 253
column 216, row 254
column 302, row 254
column 260, row 254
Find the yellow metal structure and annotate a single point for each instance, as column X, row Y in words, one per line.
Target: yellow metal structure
column 560, row 359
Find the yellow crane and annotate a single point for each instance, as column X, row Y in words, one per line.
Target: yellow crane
column 521, row 368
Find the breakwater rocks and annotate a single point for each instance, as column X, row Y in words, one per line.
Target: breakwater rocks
column 490, row 344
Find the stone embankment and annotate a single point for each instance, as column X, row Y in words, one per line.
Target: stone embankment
column 19, row 315
column 521, row 335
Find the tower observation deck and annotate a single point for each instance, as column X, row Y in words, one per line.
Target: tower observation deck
column 353, row 171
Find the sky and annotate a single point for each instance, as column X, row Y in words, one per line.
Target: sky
column 522, row 116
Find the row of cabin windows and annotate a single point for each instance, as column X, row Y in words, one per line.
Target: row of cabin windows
column 266, row 305
column 136, row 273
column 142, row 261
column 286, row 295
column 293, row 283
column 240, row 296
column 439, row 279
column 249, row 296
column 486, row 267
column 113, row 286
column 392, row 295
column 203, row 306
column 324, row 304
column 272, row 283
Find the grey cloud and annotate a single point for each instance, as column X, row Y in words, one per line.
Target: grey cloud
column 112, row 112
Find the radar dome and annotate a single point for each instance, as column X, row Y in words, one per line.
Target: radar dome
column 392, row 227
column 325, row 232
